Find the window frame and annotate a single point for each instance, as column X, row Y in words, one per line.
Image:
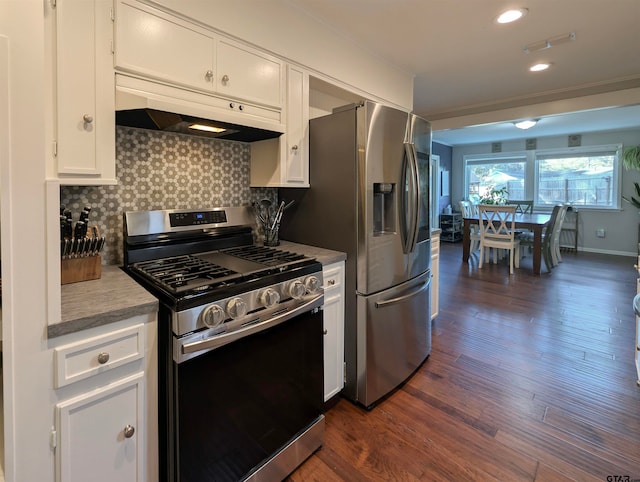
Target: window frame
column 531, row 172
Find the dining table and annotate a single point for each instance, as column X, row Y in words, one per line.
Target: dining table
column 534, row 222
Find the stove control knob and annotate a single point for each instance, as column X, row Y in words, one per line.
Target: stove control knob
column 236, row 308
column 269, row 298
column 297, row 290
column 312, row 284
column 213, row 316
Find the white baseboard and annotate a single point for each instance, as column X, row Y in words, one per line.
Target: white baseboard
column 608, row 251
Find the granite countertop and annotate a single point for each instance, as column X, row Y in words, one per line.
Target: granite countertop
column 325, row 256
column 113, row 297
column 116, row 296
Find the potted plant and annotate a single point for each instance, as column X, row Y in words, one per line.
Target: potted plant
column 631, row 157
column 631, row 160
column 495, row 196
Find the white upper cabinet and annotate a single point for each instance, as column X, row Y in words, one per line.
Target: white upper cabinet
column 243, row 73
column 284, row 162
column 84, row 145
column 159, row 45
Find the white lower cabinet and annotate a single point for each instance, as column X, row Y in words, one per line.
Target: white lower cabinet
column 100, row 433
column 105, row 426
column 333, row 307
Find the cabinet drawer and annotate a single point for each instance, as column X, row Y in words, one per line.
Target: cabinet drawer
column 332, row 277
column 80, row 360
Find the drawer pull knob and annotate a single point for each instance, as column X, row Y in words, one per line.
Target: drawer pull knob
column 331, row 282
column 208, row 75
column 103, row 357
column 129, row 431
column 324, row 332
column 88, row 119
column 225, row 79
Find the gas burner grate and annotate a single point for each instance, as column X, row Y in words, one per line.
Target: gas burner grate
column 186, row 271
column 263, row 255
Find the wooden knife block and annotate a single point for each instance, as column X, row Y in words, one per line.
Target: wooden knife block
column 81, row 269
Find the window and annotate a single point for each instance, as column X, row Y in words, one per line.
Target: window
column 485, row 175
column 587, row 179
column 583, row 176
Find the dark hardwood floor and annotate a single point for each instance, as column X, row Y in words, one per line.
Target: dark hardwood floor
column 530, row 378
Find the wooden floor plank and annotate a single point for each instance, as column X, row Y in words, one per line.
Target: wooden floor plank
column 530, row 378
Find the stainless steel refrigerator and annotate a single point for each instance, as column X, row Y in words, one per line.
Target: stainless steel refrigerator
column 369, row 197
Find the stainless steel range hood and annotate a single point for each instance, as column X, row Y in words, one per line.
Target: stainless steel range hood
column 147, row 105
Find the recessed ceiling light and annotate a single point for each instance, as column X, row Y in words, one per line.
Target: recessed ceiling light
column 511, row 15
column 539, row 67
column 526, row 124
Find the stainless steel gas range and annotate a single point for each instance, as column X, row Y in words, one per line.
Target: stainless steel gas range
column 239, row 345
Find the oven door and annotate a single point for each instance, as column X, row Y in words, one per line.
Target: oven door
column 238, row 405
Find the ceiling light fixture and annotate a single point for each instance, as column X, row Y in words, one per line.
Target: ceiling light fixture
column 540, row 66
column 526, row 124
column 511, row 15
column 550, row 42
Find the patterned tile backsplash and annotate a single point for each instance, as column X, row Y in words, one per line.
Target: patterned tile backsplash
column 161, row 170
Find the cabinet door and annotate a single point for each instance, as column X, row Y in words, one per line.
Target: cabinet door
column 333, row 310
column 296, row 156
column 85, row 98
column 246, row 74
column 101, row 434
column 159, row 46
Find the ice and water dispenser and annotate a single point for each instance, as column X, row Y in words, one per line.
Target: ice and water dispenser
column 384, row 208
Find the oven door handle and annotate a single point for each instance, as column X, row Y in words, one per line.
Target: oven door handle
column 221, row 340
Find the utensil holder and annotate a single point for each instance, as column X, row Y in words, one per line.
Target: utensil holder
column 271, row 235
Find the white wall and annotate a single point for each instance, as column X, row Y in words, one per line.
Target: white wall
column 282, row 28
column 27, row 363
column 621, row 226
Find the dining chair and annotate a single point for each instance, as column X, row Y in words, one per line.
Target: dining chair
column 497, row 230
column 467, row 209
column 522, row 206
column 526, row 239
column 556, row 257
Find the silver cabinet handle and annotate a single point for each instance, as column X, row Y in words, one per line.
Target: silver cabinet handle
column 87, row 119
column 225, row 79
column 209, row 75
column 129, row 431
column 103, row 357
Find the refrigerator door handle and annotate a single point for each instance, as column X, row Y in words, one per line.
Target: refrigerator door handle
column 400, row 299
column 413, row 201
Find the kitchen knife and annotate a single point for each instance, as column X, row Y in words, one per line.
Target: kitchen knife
column 72, row 245
column 80, row 230
column 83, row 247
column 100, row 245
column 91, row 245
column 84, row 215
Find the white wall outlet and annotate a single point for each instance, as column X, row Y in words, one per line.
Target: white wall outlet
column 600, row 232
